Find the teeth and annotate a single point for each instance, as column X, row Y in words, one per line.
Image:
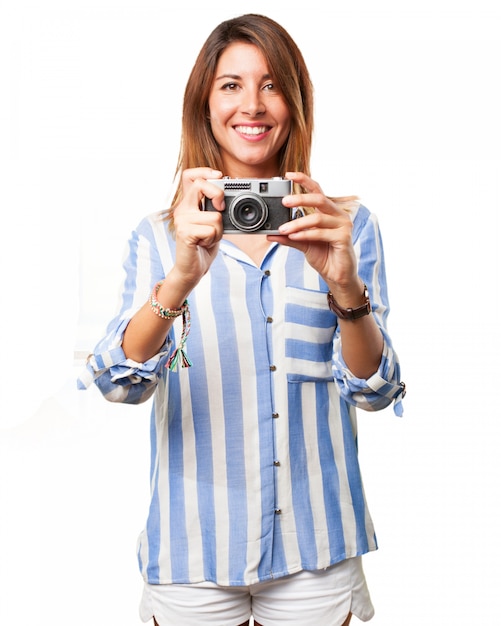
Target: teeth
column 251, row 130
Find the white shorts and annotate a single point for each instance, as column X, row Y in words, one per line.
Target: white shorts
column 323, row 597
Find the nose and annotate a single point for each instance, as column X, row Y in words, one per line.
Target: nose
column 253, row 103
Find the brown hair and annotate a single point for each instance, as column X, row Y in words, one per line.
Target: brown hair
column 289, row 71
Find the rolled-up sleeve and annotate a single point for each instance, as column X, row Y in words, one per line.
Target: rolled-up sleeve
column 118, row 378
column 385, row 385
column 376, row 392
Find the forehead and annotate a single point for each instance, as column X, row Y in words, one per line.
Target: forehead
column 246, row 57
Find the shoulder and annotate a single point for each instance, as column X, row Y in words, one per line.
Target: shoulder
column 363, row 219
column 153, row 222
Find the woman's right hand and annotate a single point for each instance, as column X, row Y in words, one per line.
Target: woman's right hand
column 197, row 241
column 197, row 232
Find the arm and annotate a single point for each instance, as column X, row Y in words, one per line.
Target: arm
column 365, row 365
column 127, row 362
column 197, row 241
column 362, row 340
column 325, row 237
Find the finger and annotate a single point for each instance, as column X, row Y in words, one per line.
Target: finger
column 304, row 181
column 317, row 226
column 215, row 195
column 199, row 227
column 288, row 241
column 196, row 186
column 199, row 190
column 204, row 235
column 316, row 201
column 190, row 175
column 310, row 199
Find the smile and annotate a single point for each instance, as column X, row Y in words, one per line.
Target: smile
column 252, row 130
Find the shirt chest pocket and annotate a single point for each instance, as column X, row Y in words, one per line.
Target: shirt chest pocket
column 309, row 333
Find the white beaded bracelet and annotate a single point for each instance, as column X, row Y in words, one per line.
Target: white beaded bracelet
column 161, row 311
column 179, row 353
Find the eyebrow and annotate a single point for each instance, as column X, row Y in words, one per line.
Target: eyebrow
column 238, row 77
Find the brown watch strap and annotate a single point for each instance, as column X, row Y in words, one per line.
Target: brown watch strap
column 350, row 314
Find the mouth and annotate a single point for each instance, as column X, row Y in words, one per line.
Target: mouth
column 252, row 131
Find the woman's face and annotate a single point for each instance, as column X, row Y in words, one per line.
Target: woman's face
column 249, row 117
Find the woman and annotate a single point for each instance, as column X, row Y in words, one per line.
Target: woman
column 257, row 504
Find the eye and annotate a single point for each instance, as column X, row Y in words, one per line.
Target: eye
column 229, row 87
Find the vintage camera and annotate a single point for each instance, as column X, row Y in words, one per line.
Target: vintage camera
column 254, row 205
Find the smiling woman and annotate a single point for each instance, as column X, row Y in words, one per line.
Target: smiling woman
column 257, row 348
column 249, row 117
column 281, row 65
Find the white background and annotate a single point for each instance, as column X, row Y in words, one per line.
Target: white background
column 407, row 118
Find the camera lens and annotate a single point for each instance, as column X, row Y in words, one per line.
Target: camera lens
column 248, row 212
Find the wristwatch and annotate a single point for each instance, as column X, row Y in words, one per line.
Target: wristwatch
column 350, row 314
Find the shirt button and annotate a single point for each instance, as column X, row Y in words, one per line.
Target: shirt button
column 275, row 415
column 267, row 273
column 269, row 320
column 273, row 368
column 278, row 511
column 276, row 463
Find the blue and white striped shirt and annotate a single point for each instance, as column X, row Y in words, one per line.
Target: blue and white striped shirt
column 254, row 469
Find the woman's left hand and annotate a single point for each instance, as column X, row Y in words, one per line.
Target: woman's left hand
column 324, row 235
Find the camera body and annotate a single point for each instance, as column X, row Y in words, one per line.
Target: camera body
column 253, row 205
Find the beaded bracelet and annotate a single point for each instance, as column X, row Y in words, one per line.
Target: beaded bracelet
column 179, row 354
column 161, row 311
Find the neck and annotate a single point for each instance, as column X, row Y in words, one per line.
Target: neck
column 254, row 246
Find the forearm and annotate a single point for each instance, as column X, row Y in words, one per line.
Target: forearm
column 361, row 339
column 146, row 332
column 362, row 346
